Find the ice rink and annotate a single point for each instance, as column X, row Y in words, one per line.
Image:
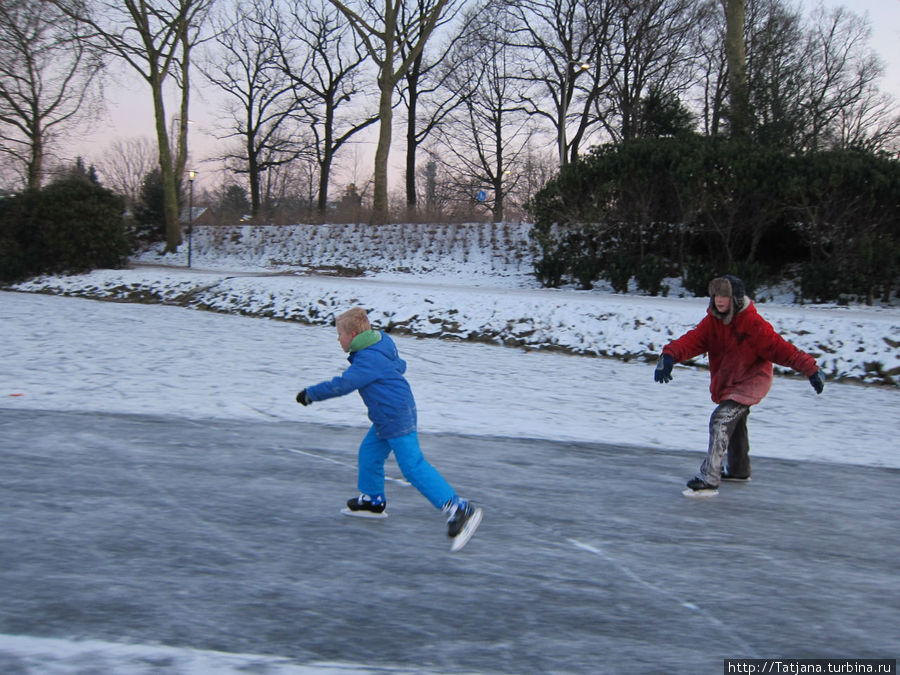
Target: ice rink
column 157, row 544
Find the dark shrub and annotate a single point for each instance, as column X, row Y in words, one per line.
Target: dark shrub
column 650, row 273
column 618, row 271
column 72, row 225
column 696, row 276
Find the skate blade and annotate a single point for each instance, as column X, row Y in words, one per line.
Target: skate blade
column 364, row 514
column 699, row 494
column 736, row 480
column 466, row 533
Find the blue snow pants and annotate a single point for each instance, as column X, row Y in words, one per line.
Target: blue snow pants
column 374, row 451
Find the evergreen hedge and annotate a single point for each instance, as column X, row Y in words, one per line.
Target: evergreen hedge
column 72, row 225
column 695, row 207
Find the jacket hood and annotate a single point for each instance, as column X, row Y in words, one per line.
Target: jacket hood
column 378, row 341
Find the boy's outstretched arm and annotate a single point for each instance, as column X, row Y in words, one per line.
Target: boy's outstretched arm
column 691, row 344
column 775, row 348
column 355, row 377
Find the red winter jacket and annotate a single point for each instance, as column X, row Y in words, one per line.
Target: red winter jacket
column 740, row 354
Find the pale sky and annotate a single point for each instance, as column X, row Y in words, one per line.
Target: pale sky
column 130, row 113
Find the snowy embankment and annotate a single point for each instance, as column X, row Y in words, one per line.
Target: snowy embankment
column 466, row 282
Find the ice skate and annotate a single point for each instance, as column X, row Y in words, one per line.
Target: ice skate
column 462, row 522
column 364, row 507
column 735, row 479
column 699, row 488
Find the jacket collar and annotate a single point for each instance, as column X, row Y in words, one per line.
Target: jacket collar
column 365, row 339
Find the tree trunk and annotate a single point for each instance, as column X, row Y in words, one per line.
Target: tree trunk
column 411, row 144
column 36, row 164
column 411, row 201
column 324, row 173
column 183, row 119
column 166, row 169
column 737, row 68
column 253, row 176
column 327, row 157
column 380, row 188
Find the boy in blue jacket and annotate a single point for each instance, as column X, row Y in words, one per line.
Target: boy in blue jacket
column 376, row 370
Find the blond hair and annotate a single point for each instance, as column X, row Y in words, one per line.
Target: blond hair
column 354, row 320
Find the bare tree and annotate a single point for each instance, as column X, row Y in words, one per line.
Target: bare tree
column 428, row 101
column 489, row 132
column 126, row 164
column 322, row 60
column 842, row 98
column 870, row 123
column 563, row 71
column 47, row 78
column 776, row 63
column 380, row 29
column 534, row 168
column 711, row 66
column 651, row 43
column 245, row 67
column 769, row 47
column 155, row 38
column 291, row 189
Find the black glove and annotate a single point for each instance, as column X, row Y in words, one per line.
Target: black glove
column 663, row 372
column 818, row 381
column 303, row 398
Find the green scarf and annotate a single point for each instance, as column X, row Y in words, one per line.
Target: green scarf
column 365, row 339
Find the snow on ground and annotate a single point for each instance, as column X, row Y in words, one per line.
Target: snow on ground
column 77, row 355
column 434, row 268
column 463, row 282
column 860, row 343
column 498, row 254
column 52, row 656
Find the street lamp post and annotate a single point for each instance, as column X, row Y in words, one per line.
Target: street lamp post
column 564, row 107
column 191, row 175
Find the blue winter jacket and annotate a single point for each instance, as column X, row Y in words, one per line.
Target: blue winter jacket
column 377, row 372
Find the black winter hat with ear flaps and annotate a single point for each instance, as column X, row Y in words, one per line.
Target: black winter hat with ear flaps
column 738, row 290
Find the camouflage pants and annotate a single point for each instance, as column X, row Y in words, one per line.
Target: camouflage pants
column 727, row 437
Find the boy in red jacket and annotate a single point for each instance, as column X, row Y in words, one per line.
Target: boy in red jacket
column 742, row 347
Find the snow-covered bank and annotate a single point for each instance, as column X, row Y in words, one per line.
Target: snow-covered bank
column 70, row 354
column 462, row 282
column 850, row 343
column 479, row 253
